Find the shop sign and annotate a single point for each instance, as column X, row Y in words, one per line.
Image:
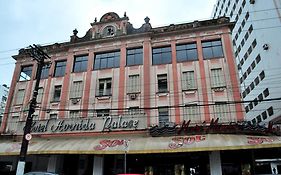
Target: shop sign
column 83, row 125
column 214, row 127
column 178, row 142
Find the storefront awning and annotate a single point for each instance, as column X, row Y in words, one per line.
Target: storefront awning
column 140, row 144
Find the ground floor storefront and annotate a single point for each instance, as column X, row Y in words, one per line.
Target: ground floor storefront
column 231, row 162
column 213, row 154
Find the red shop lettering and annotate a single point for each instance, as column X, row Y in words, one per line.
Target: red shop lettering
column 259, row 140
column 108, row 143
column 188, row 140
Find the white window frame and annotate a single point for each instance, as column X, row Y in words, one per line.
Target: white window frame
column 105, row 91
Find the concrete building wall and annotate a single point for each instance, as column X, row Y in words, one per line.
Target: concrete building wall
column 255, row 37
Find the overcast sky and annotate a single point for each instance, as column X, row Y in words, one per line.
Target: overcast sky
column 26, row 22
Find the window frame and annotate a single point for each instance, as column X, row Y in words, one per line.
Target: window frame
column 57, row 88
column 105, row 90
column 134, row 84
column 208, row 47
column 161, row 59
column 45, row 71
column 163, row 115
column 189, row 47
column 24, row 76
column 79, row 65
column 60, row 69
column 135, row 56
column 105, row 57
column 162, row 80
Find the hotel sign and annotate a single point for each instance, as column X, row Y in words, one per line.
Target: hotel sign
column 106, row 124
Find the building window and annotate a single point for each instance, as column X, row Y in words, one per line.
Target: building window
column 20, row 96
column 40, row 94
column 60, row 68
column 26, row 73
column 134, row 57
column 104, row 87
column 35, row 117
column 161, row 55
column 270, row 111
column 259, row 118
column 102, row 112
column 258, row 58
column 74, row 114
column 133, row 84
column 266, row 92
column 107, row 60
column 80, row 63
column 191, row 112
column 188, row 80
column 221, row 111
column 76, row 90
column 57, row 93
column 264, row 115
column 250, row 29
column 247, row 16
column 163, row 114
column 262, row 75
column 162, row 83
column 212, row 49
column 217, row 78
column 257, row 80
column 186, row 52
column 45, row 71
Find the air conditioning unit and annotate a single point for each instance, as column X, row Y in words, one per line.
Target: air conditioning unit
column 75, row 101
column 133, row 96
column 252, row 1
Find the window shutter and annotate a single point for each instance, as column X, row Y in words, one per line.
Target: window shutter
column 188, row 82
column 76, row 90
column 134, row 84
column 217, row 78
column 221, row 112
column 191, row 112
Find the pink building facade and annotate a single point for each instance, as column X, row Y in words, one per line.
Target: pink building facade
column 101, row 95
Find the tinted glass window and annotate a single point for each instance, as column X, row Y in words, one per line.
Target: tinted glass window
column 161, row 55
column 107, row 60
column 80, row 63
column 212, row 49
column 45, row 71
column 134, row 57
column 186, row 52
column 60, row 68
column 26, row 72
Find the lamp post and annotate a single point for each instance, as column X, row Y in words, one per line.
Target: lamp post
column 39, row 55
column 126, row 144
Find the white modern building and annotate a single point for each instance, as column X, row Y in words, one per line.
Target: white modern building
column 256, row 44
column 3, row 98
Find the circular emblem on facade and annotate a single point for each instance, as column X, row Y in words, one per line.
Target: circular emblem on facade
column 28, row 136
column 109, row 31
